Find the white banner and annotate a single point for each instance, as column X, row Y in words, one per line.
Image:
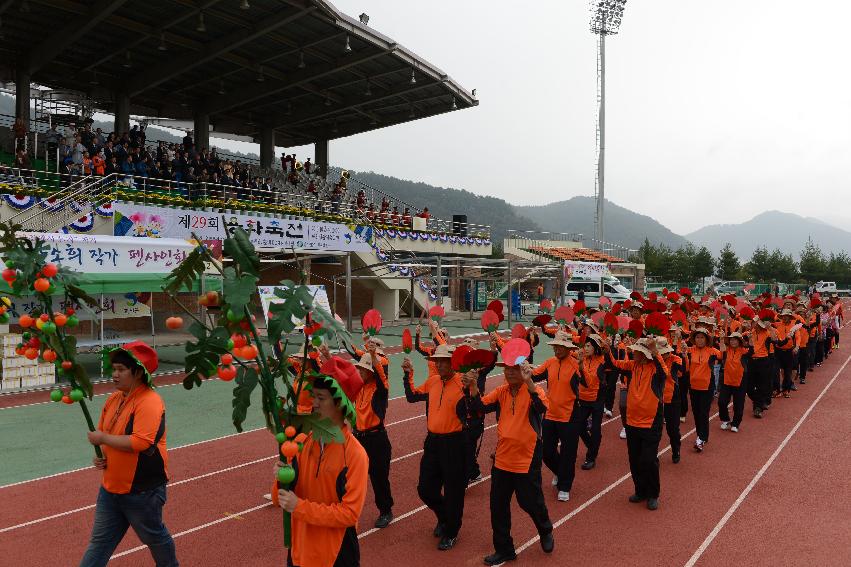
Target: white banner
column 113, row 254
column 585, row 270
column 264, row 232
column 267, row 297
column 114, row 306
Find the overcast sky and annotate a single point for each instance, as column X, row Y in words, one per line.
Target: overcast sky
column 716, row 110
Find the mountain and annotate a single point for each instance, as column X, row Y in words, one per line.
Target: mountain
column 445, row 202
column 623, row 226
column 773, row 229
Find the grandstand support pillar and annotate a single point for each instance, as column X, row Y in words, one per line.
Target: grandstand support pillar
column 267, row 147
column 201, row 130
column 508, row 287
column 22, row 96
column 349, row 291
column 439, row 281
column 122, row 112
column 386, row 301
column 321, row 157
column 413, row 303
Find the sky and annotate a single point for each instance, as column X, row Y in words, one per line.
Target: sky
column 716, row 111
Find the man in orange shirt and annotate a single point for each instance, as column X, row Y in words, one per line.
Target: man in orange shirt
column 131, row 433
column 735, row 358
column 326, row 503
column 443, row 468
column 517, row 464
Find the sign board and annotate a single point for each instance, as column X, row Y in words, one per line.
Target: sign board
column 114, row 306
column 264, row 232
column 585, row 270
column 113, row 254
column 267, row 297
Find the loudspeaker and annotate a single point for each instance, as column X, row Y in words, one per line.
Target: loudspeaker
column 459, row 225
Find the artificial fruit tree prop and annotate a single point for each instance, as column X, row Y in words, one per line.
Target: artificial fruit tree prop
column 45, row 329
column 233, row 348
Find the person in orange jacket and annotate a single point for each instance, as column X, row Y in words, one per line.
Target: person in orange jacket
column 592, row 370
column 647, row 377
column 700, row 358
column 735, row 357
column 562, row 424
column 517, row 464
column 671, row 395
column 327, row 496
column 371, row 405
column 443, row 468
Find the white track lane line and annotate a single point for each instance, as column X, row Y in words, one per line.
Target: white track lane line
column 723, row 521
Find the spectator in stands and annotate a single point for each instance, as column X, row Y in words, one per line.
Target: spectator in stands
column 19, row 131
column 361, row 200
column 285, row 159
column 112, row 166
column 77, row 151
column 424, row 214
column 65, row 150
column 87, row 163
column 370, row 213
column 406, row 218
column 51, row 139
column 395, row 218
column 307, row 166
column 22, row 159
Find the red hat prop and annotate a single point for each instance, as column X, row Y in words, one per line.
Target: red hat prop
column 746, row 312
column 815, row 302
column 515, row 352
column 597, row 319
column 635, row 296
column 343, row 380
column 518, row 331
column 436, row 313
column 678, row 317
column 480, row 358
column 635, row 329
column 371, row 322
column 407, row 341
column 579, row 307
column 459, row 363
column 145, row 356
column 610, row 323
column 685, row 291
column 673, row 297
column 496, row 307
column 656, row 324
column 490, row 321
column 564, row 315
column 546, row 305
column 617, row 308
column 605, row 303
column 623, row 323
column 542, row 320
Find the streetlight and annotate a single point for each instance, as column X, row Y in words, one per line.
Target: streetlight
column 606, row 16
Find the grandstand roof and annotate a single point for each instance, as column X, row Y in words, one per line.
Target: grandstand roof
column 244, row 67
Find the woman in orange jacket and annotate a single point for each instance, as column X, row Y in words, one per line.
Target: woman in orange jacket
column 592, row 370
column 735, row 357
column 327, row 496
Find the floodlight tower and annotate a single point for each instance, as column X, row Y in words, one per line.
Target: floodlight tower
column 606, row 18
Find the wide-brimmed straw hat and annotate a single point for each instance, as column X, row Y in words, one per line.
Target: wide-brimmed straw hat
column 642, row 346
column 442, row 351
column 562, row 339
column 365, row 362
column 663, row 346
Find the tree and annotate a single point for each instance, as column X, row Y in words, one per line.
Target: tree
column 727, row 266
column 813, row 265
column 702, row 263
column 782, row 267
column 758, row 267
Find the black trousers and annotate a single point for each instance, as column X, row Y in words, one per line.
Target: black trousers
column 377, row 447
column 811, row 352
column 562, row 460
column 775, row 372
column 759, row 382
column 701, row 403
column 737, row 393
column 785, row 364
column 819, row 351
column 610, row 389
column 530, row 497
column 624, row 393
column 443, row 479
column 349, row 554
column 643, row 446
column 475, row 430
column 685, row 386
column 591, row 437
column 803, row 362
column 672, row 422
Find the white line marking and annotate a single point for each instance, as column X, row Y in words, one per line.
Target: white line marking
column 718, row 527
column 196, row 528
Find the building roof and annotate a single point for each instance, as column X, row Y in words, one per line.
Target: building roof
column 301, row 67
column 576, row 254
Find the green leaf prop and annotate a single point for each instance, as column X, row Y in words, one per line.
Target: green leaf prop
column 238, row 289
column 203, row 354
column 190, row 269
column 246, row 381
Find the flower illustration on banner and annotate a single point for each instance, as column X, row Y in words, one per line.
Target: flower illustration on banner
column 137, row 218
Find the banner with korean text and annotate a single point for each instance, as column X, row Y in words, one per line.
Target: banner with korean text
column 264, row 232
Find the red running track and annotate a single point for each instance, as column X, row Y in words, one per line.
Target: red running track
column 597, row 527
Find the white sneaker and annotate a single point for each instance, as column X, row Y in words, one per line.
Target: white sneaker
column 555, row 481
column 563, row 496
column 734, row 429
column 608, row 413
column 682, row 420
column 698, row 446
column 725, row 425
column 623, row 432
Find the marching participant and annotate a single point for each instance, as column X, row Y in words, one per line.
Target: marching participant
column 475, row 421
column 646, row 378
column 735, row 360
column 443, row 468
column 371, row 406
column 700, row 359
column 327, row 496
column 517, row 464
column 562, row 425
column 785, row 351
column 760, row 370
column 592, row 370
column 671, row 395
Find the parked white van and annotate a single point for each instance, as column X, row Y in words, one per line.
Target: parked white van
column 826, row 287
column 612, row 288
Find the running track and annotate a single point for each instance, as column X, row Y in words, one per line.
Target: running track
column 773, row 494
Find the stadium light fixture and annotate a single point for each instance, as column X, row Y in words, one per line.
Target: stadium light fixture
column 348, row 46
column 454, row 104
column 244, row 5
column 368, row 91
column 201, row 27
column 221, row 90
column 413, row 77
column 364, row 19
column 606, row 18
column 301, row 63
column 127, row 61
column 162, row 46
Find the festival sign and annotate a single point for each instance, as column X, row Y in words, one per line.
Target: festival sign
column 113, row 254
column 264, row 232
column 585, row 270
